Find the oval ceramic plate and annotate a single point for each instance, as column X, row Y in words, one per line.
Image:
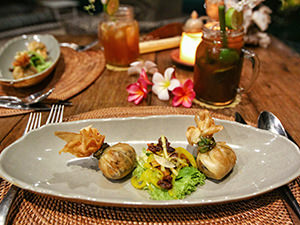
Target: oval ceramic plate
column 9, row 50
column 265, row 161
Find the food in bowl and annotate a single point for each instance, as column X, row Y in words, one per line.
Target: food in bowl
column 31, row 61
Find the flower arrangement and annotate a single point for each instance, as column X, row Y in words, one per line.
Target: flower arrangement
column 109, row 6
column 290, row 4
column 164, row 86
column 257, row 18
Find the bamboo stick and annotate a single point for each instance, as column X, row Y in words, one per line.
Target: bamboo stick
column 158, row 45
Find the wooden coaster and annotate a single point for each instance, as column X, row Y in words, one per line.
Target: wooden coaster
column 75, row 71
column 236, row 101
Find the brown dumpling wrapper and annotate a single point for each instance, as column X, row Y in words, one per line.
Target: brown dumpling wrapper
column 88, row 141
column 218, row 162
column 117, row 161
column 193, row 135
column 206, row 127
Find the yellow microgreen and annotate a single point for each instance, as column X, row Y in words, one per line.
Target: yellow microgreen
column 164, row 146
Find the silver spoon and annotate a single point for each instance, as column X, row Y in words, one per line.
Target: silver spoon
column 31, row 99
column 79, row 48
column 268, row 121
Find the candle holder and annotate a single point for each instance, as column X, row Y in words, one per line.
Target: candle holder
column 190, row 39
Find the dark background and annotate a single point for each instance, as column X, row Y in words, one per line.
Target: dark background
column 16, row 14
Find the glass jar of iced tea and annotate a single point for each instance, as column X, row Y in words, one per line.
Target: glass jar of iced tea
column 211, row 8
column 119, row 35
column 218, row 65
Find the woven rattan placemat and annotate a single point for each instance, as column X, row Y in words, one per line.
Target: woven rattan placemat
column 32, row 208
column 75, row 71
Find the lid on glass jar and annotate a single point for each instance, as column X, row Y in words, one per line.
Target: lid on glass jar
column 124, row 12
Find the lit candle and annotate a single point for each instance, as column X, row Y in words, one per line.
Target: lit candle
column 188, row 46
column 191, row 38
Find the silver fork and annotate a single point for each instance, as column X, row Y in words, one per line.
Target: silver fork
column 29, row 100
column 34, row 121
column 56, row 114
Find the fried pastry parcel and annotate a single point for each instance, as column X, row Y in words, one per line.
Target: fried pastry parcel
column 117, row 161
column 88, row 141
column 205, row 128
column 214, row 159
column 217, row 162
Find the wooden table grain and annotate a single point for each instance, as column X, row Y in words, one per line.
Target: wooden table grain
column 275, row 90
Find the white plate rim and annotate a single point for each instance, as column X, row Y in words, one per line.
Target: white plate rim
column 150, row 203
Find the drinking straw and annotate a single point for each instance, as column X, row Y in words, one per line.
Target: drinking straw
column 222, row 25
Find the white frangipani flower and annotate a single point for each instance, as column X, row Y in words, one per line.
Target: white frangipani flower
column 136, row 67
column 242, row 5
column 164, row 84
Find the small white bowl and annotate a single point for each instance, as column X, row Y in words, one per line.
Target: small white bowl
column 9, row 50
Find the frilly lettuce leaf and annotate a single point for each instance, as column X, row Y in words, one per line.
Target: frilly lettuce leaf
column 185, row 183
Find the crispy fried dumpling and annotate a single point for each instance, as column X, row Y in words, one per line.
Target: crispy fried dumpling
column 217, row 162
column 205, row 128
column 117, row 161
column 214, row 159
column 88, row 141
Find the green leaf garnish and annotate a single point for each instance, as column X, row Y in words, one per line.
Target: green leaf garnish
column 206, row 144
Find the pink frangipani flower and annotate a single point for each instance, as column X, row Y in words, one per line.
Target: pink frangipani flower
column 144, row 77
column 164, row 84
column 137, row 91
column 184, row 94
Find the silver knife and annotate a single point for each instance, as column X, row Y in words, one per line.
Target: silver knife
column 22, row 106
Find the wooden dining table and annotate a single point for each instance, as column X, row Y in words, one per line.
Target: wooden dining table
column 276, row 90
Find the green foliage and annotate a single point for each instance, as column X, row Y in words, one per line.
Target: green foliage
column 289, row 4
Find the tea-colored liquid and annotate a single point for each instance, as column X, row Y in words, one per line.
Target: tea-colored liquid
column 120, row 41
column 216, row 79
column 212, row 8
